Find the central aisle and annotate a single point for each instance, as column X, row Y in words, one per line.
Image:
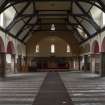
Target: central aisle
column 53, row 92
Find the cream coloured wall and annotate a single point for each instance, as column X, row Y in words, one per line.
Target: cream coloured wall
column 45, row 47
column 66, row 36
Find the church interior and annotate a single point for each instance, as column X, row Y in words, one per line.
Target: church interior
column 52, row 52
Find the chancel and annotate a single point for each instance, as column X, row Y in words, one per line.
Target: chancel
column 52, row 52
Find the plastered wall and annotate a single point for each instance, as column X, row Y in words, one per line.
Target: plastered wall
column 40, row 37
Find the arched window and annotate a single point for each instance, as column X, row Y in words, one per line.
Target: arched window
column 37, row 48
column 52, row 48
column 68, row 50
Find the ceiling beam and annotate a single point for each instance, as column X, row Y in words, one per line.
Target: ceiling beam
column 52, row 14
column 10, row 34
column 3, row 5
column 82, row 26
column 20, row 31
column 54, row 23
column 73, row 26
column 17, row 16
column 102, row 4
column 87, row 15
column 95, row 34
column 14, row 2
column 28, row 32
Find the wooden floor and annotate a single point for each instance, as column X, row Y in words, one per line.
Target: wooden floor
column 53, row 88
column 20, row 89
column 85, row 88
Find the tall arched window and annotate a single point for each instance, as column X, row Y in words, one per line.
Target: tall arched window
column 37, row 48
column 68, row 50
column 52, row 48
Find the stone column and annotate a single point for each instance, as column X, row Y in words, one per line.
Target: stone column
column 102, row 68
column 25, row 63
column 85, row 62
column 2, row 65
column 79, row 64
column 71, row 63
column 19, row 63
column 14, row 60
column 92, row 63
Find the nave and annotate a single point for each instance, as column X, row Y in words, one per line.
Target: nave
column 76, row 88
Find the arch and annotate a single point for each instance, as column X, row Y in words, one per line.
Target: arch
column 95, row 47
column 10, row 48
column 103, row 45
column 2, row 48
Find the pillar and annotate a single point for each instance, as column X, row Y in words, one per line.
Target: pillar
column 92, row 63
column 25, row 64
column 19, row 63
column 102, row 57
column 2, row 65
column 14, row 61
column 85, row 62
column 71, row 63
column 79, row 63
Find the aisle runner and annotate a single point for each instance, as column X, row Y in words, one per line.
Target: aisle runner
column 53, row 92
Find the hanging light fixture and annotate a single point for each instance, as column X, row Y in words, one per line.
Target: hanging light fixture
column 52, row 27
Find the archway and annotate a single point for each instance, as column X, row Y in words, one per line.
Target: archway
column 95, row 57
column 10, row 58
column 10, row 48
column 95, row 47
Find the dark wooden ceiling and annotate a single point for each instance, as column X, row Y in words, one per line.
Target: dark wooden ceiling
column 39, row 15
